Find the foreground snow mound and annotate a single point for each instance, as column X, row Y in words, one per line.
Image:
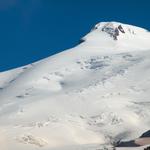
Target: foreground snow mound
column 87, row 97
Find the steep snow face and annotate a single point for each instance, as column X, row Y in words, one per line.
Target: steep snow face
column 86, row 97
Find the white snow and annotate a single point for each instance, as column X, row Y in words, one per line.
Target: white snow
column 83, row 98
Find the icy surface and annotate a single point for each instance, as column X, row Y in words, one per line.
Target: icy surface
column 85, row 98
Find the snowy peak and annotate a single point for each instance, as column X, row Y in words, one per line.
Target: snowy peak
column 117, row 36
column 117, row 29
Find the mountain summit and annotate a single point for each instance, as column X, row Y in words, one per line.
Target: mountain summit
column 118, row 35
column 115, row 29
column 88, row 97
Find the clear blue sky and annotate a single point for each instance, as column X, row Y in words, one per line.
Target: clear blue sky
column 34, row 29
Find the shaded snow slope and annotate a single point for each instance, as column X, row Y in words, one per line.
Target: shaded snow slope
column 83, row 98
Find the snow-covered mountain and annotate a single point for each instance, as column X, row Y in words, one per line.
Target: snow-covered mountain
column 84, row 98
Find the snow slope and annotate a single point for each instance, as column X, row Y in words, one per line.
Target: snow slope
column 87, row 97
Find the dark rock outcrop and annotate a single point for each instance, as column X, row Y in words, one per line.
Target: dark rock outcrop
column 127, row 144
column 146, row 134
column 113, row 31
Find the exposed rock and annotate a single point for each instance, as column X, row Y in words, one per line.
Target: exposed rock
column 121, row 29
column 146, row 134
